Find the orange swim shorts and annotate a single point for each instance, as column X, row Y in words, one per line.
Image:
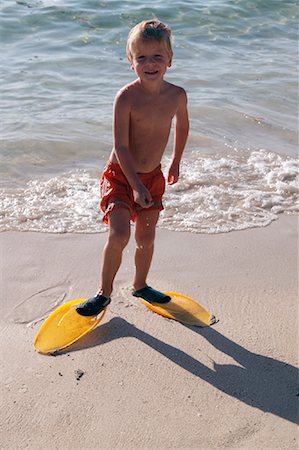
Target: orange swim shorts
column 117, row 193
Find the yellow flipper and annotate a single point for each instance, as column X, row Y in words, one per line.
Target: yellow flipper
column 183, row 309
column 63, row 327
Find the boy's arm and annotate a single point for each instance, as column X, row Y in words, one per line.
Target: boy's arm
column 180, row 138
column 121, row 148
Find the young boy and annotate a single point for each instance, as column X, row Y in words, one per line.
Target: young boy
column 132, row 183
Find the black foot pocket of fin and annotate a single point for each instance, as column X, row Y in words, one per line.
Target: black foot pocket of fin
column 151, row 295
column 93, row 306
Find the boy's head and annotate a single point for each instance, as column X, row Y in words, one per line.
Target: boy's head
column 146, row 31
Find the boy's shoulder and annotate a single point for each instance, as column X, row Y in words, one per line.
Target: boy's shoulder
column 127, row 90
column 174, row 89
column 124, row 97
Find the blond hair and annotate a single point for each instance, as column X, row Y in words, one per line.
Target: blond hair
column 149, row 30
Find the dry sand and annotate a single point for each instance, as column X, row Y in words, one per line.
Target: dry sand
column 148, row 382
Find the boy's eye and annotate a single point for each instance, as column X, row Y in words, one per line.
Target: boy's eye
column 157, row 57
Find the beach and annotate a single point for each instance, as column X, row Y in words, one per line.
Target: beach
column 138, row 380
column 228, row 236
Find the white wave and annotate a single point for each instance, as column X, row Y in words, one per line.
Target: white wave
column 231, row 193
column 68, row 203
column 213, row 195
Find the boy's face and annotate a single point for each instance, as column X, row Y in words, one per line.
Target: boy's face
column 150, row 60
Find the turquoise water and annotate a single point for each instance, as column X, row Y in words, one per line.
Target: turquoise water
column 62, row 63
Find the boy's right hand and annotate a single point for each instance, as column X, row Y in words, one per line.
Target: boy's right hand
column 143, row 197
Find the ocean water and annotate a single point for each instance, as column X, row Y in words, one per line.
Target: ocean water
column 62, row 62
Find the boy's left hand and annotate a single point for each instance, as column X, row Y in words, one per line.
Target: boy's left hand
column 173, row 174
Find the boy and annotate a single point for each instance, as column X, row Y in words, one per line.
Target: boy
column 132, row 183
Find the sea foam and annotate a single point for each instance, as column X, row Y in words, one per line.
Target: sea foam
column 213, row 195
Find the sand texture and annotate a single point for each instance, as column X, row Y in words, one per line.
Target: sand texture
column 138, row 380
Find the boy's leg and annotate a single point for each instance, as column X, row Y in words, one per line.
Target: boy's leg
column 119, row 234
column 145, row 231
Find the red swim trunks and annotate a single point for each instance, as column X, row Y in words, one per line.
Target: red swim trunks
column 117, row 193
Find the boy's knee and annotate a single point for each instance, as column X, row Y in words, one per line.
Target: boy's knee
column 119, row 239
column 145, row 241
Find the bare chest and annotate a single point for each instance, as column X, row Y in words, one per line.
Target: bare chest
column 147, row 114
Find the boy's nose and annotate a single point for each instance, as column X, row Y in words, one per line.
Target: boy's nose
column 151, row 60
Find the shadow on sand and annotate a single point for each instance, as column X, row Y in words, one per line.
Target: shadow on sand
column 261, row 382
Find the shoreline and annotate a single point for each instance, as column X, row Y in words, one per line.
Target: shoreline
column 149, row 382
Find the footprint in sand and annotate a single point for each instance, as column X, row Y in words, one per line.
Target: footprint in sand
column 37, row 306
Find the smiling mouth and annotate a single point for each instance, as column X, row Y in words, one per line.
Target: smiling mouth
column 153, row 72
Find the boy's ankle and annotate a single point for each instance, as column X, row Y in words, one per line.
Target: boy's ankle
column 104, row 293
column 137, row 287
